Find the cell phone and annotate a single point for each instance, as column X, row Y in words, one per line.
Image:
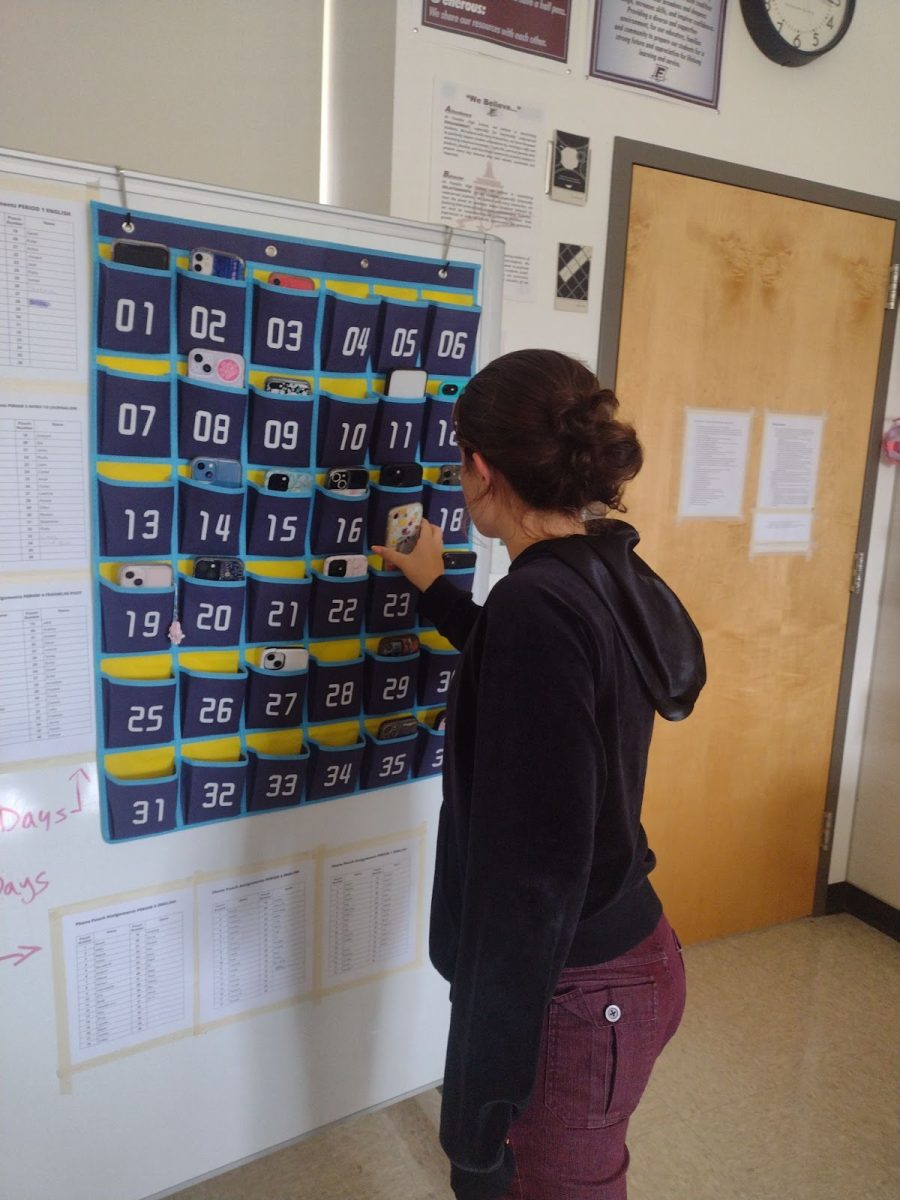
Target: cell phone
column 289, row 481
column 401, row 474
column 406, row 382
column 352, row 481
column 439, row 720
column 459, row 560
column 151, row 575
column 141, row 254
column 224, row 472
column 216, row 366
column 214, row 262
column 284, row 385
column 285, row 658
column 219, row 570
column 448, row 475
column 448, row 389
column 299, row 283
column 397, row 646
column 396, row 727
column 346, row 566
column 403, row 526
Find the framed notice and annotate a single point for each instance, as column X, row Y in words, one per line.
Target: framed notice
column 532, row 26
column 674, row 49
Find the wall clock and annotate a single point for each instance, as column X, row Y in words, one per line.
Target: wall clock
column 794, row 32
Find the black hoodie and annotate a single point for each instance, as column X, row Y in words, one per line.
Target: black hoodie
column 542, row 862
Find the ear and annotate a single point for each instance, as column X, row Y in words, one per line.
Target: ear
column 485, row 472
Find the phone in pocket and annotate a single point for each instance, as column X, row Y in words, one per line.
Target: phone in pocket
column 214, row 262
column 224, row 472
column 298, row 283
column 285, row 385
column 288, row 481
column 397, row 646
column 406, row 383
column 448, row 474
column 401, row 475
column 439, row 720
column 404, row 523
column 219, row 570
column 216, row 366
column 345, row 566
column 459, row 560
column 396, row 727
column 284, row 658
column 141, row 254
column 351, row 481
column 151, row 575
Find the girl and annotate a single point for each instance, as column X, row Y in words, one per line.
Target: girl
column 566, row 979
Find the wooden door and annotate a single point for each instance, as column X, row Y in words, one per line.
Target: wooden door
column 737, row 299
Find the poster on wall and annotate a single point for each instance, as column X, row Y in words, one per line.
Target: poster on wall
column 674, row 49
column 538, row 27
column 487, row 172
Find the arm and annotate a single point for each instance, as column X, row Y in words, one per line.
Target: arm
column 539, row 775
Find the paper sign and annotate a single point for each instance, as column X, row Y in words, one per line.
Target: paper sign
column 714, row 464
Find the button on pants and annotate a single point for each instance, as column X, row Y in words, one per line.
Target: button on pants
column 604, row 1029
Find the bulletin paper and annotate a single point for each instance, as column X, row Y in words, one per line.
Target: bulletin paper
column 714, row 464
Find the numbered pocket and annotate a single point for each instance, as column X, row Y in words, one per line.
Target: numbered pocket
column 284, row 327
column 338, row 523
column 280, row 430
column 446, row 508
column 401, row 334
column 133, row 307
column 138, row 712
column 211, row 791
column 135, row 519
column 135, row 620
column 387, row 760
column 211, row 613
column 334, row 770
column 450, row 339
column 276, row 609
column 335, row 690
column 210, row 313
column 275, row 698
column 345, row 429
column 439, row 444
column 429, row 751
column 392, row 602
column 348, row 334
column 390, row 683
column 211, row 704
column 210, row 420
column 209, row 518
column 383, row 500
column 138, row 807
column 436, row 670
column 277, row 523
column 133, row 415
column 276, row 781
column 398, row 430
column 337, row 606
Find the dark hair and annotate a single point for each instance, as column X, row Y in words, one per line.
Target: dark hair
column 543, row 420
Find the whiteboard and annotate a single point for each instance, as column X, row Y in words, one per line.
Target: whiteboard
column 133, row 1124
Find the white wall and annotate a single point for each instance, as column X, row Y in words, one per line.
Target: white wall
column 834, row 121
column 215, row 91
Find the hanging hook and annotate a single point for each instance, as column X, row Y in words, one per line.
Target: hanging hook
column 444, row 271
column 128, row 223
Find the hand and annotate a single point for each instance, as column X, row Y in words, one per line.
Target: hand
column 423, row 564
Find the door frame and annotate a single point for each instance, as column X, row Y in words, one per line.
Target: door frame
column 628, row 154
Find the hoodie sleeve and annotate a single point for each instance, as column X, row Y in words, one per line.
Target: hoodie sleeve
column 539, row 777
column 454, row 612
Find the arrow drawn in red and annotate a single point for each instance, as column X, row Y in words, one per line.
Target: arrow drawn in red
column 23, row 953
column 75, row 775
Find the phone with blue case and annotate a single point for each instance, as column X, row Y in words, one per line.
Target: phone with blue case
column 223, row 472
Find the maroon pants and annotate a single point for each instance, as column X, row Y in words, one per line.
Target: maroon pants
column 604, row 1029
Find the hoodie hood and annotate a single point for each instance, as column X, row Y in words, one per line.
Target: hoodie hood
column 663, row 641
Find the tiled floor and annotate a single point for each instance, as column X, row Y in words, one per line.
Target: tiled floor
column 783, row 1082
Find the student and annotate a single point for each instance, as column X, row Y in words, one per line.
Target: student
column 566, row 978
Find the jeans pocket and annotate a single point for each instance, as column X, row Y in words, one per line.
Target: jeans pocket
column 601, row 1046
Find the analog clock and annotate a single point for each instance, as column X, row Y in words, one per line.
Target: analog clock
column 794, row 32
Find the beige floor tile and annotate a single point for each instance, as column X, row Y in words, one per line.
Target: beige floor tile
column 782, row 1084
